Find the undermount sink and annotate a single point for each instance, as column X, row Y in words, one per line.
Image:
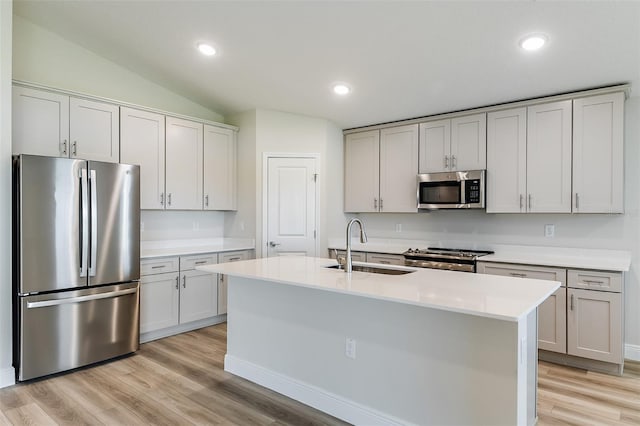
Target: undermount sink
column 374, row 269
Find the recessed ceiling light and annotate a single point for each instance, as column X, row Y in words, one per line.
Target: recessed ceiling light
column 533, row 42
column 341, row 89
column 206, row 49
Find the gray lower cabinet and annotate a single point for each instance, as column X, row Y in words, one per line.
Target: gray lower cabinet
column 173, row 293
column 552, row 322
column 583, row 319
column 230, row 256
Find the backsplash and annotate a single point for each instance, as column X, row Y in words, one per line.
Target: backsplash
column 177, row 225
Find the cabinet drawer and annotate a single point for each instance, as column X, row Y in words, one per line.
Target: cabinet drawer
column 190, row 262
column 524, row 271
column 234, row 256
column 158, row 266
column 387, row 259
column 356, row 256
column 595, row 280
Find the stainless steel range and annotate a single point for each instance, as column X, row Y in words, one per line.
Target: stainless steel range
column 444, row 258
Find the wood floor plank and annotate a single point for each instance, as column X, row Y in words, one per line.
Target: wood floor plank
column 30, row 414
column 180, row 380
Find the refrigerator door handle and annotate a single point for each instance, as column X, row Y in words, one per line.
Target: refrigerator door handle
column 66, row 301
column 84, row 182
column 94, row 224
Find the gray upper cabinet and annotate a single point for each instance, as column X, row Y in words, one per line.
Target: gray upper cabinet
column 56, row 125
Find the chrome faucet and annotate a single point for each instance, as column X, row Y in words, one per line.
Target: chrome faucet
column 348, row 266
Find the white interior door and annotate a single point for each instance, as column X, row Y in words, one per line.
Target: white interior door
column 291, row 206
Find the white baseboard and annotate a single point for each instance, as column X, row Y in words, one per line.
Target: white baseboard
column 315, row 397
column 7, row 377
column 632, row 352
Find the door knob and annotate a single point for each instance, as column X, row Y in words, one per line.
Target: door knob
column 273, row 244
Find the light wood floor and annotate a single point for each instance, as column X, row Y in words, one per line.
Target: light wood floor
column 179, row 380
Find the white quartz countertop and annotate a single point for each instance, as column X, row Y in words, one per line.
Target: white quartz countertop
column 503, row 298
column 164, row 248
column 564, row 257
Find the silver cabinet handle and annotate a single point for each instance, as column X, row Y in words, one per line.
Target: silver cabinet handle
column 521, row 201
column 158, row 266
column 446, row 161
column 184, row 281
column 453, row 161
column 221, row 278
column 384, row 262
column 572, row 302
column 201, row 262
column 169, row 198
column 530, row 201
column 593, row 282
column 74, row 148
column 234, row 259
column 162, row 198
column 94, row 224
column 68, row 300
column 206, row 201
column 515, row 274
column 64, row 147
column 273, row 244
column 375, row 204
column 177, row 283
column 577, row 201
column 380, row 204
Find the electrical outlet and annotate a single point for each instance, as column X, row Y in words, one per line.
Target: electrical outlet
column 398, row 227
column 549, row 231
column 350, row 348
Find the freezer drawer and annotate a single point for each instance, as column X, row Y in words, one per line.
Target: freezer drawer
column 62, row 331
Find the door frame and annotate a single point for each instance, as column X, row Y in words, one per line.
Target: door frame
column 265, row 185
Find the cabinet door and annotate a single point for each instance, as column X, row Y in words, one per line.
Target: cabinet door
column 552, row 322
column 142, row 143
column 40, row 122
column 362, row 171
column 469, row 142
column 398, row 169
column 598, row 163
column 435, row 146
column 183, row 164
column 506, row 160
column 594, row 325
column 94, row 129
column 219, row 168
column 232, row 256
column 549, row 158
column 198, row 296
column 159, row 296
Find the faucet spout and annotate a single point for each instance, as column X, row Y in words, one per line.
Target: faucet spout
column 348, row 267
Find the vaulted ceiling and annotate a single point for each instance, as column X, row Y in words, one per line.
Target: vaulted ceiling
column 402, row 59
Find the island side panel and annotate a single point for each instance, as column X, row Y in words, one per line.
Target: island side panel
column 413, row 364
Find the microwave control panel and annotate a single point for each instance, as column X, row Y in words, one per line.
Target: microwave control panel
column 472, row 191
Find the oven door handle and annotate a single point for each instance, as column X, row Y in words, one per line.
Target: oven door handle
column 464, row 267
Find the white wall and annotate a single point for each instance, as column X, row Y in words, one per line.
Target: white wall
column 242, row 223
column 6, row 370
column 176, row 225
column 621, row 232
column 43, row 57
column 265, row 131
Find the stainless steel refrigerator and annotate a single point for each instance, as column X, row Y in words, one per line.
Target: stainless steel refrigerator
column 76, row 263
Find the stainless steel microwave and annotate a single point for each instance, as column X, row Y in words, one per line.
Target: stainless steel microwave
column 451, row 190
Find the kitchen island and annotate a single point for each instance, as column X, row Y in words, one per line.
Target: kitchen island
column 426, row 347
